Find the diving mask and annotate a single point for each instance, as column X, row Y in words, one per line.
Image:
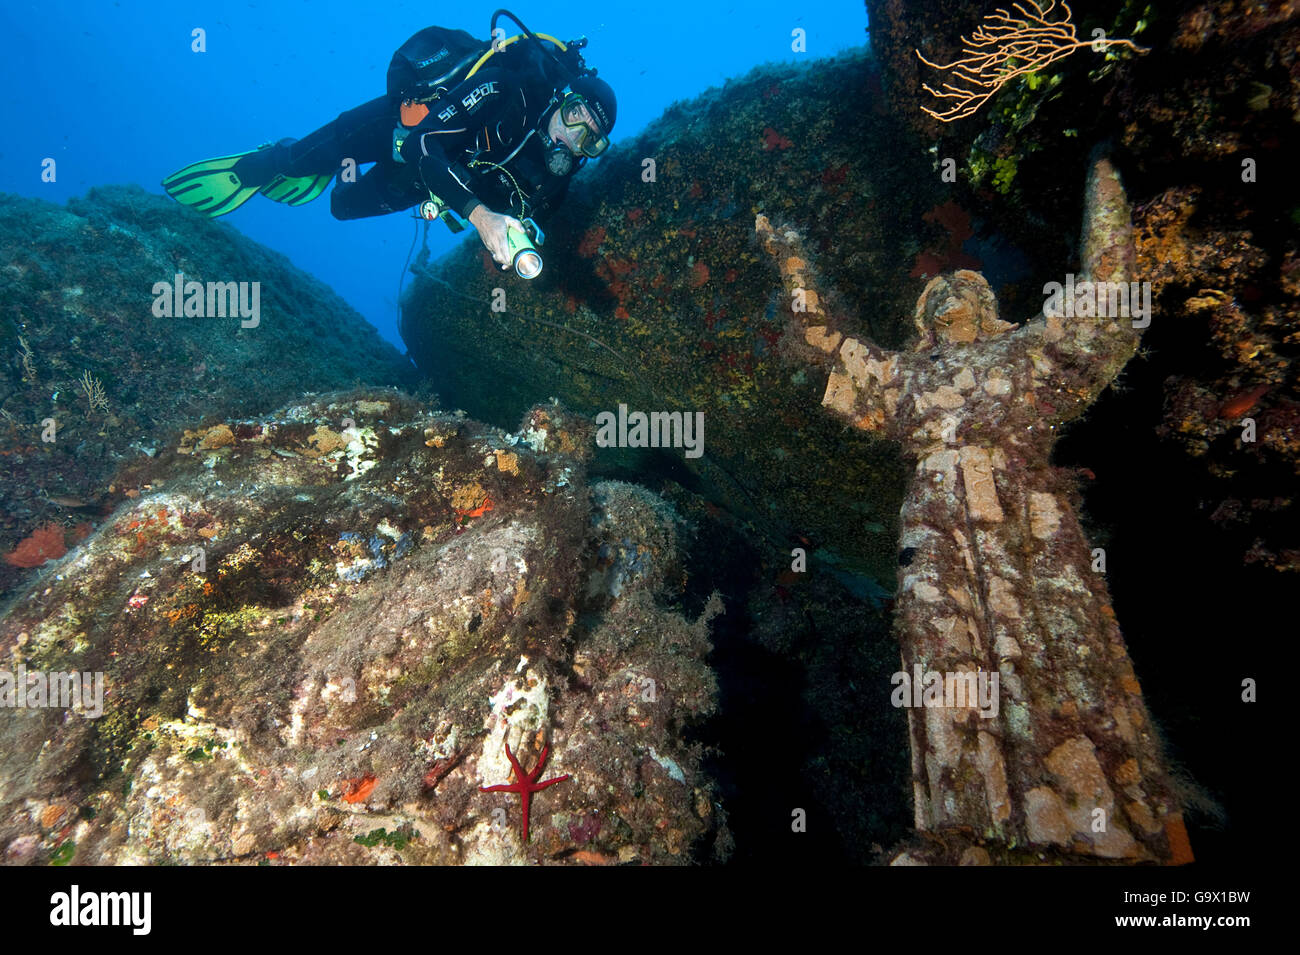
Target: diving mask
column 575, row 114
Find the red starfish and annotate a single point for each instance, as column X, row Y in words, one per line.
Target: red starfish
column 527, row 784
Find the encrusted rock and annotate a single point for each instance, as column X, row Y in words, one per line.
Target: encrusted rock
column 334, row 675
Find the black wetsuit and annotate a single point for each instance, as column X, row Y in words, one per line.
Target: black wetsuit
column 485, row 122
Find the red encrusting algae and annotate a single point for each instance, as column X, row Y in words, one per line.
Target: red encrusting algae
column 358, row 789
column 774, row 140
column 933, row 261
column 835, row 175
column 591, row 240
column 479, row 511
column 45, row 543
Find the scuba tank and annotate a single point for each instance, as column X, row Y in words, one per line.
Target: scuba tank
column 437, row 58
column 434, row 58
column 423, row 69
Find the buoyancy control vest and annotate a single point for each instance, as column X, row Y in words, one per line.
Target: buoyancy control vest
column 436, row 59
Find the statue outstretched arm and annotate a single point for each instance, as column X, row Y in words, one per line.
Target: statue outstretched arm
column 865, row 381
column 1092, row 323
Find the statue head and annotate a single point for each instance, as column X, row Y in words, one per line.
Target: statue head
column 957, row 309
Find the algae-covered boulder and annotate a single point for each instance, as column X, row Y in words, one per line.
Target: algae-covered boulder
column 321, row 632
column 99, row 363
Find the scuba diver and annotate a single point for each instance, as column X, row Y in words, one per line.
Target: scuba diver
column 489, row 133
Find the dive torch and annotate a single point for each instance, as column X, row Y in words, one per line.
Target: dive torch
column 525, row 258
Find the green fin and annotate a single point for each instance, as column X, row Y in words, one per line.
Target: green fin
column 210, row 186
column 299, row 191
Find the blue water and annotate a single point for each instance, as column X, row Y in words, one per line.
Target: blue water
column 113, row 93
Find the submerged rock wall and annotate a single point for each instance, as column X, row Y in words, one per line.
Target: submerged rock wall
column 654, row 295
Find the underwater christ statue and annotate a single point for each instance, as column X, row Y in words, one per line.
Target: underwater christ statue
column 995, row 576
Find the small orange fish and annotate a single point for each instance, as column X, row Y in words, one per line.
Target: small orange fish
column 1243, row 402
column 587, row 857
